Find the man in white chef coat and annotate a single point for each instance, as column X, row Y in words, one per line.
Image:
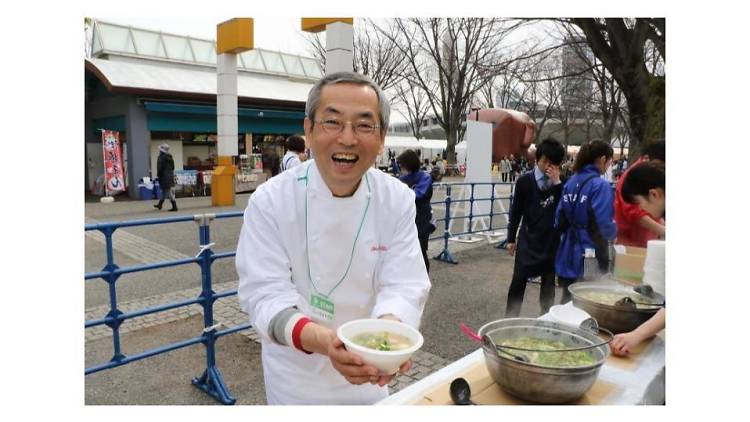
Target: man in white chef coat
column 326, row 242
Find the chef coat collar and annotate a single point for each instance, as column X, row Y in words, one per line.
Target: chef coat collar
column 317, row 185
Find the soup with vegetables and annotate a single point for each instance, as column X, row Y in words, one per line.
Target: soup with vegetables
column 611, row 298
column 383, row 341
column 555, row 359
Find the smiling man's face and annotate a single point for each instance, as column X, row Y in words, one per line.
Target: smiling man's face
column 344, row 156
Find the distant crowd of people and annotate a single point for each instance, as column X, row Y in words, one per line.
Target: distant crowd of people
column 511, row 167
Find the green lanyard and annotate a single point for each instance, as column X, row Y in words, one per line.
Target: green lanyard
column 307, row 246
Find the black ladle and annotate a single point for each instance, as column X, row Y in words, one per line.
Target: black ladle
column 645, row 290
column 460, row 392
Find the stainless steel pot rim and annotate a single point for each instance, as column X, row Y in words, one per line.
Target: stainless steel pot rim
column 609, row 286
column 576, row 289
column 625, row 308
column 592, row 344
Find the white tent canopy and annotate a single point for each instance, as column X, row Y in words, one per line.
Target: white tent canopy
column 429, row 148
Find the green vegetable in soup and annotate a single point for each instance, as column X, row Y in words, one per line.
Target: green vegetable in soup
column 555, row 359
column 383, row 341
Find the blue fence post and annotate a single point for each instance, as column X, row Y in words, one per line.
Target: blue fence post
column 471, row 209
column 445, row 255
column 111, row 278
column 492, row 204
column 211, row 381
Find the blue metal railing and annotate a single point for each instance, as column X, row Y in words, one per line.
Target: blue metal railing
column 211, row 381
column 445, row 255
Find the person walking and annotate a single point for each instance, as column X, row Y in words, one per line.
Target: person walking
column 421, row 183
column 165, row 173
column 505, row 168
column 514, row 168
column 585, row 215
column 537, row 194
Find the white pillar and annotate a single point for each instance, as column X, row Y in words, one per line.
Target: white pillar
column 226, row 104
column 339, row 47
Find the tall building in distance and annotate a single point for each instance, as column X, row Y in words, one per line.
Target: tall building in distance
column 578, row 87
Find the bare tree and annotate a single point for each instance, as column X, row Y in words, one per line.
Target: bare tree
column 511, row 92
column 374, row 54
column 622, row 47
column 541, row 90
column 621, row 132
column 606, row 92
column 416, row 104
column 462, row 52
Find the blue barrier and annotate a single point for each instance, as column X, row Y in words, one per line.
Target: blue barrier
column 446, row 255
column 211, row 381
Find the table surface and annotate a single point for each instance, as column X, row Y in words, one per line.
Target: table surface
column 636, row 379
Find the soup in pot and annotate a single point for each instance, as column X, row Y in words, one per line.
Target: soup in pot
column 541, row 356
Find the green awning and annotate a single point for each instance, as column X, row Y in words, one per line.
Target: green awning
column 174, row 117
column 110, row 123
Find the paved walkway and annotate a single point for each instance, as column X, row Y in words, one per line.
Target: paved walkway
column 135, row 247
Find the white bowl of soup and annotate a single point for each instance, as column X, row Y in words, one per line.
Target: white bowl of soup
column 382, row 343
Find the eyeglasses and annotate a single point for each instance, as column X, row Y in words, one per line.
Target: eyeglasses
column 336, row 126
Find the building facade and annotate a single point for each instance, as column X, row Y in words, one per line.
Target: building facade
column 156, row 88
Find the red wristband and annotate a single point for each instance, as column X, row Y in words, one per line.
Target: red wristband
column 297, row 330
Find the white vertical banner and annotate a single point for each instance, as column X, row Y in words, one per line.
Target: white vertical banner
column 479, row 170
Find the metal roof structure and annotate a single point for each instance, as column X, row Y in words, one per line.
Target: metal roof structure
column 142, row 61
column 158, row 78
column 109, row 38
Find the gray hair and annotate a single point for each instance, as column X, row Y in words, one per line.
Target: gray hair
column 313, row 98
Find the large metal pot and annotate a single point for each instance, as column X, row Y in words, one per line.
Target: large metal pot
column 536, row 383
column 618, row 319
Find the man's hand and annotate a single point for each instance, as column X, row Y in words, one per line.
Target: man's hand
column 511, row 247
column 351, row 365
column 553, row 172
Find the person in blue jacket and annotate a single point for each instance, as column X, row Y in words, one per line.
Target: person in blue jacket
column 421, row 183
column 585, row 215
